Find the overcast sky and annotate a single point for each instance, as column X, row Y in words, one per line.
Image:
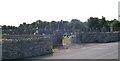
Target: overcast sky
column 15, row 12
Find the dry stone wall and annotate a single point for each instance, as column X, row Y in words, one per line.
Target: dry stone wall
column 21, row 46
column 90, row 37
column 26, row 47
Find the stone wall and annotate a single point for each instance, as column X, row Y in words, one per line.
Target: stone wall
column 24, row 36
column 57, row 40
column 89, row 37
column 26, row 47
column 57, row 37
column 21, row 46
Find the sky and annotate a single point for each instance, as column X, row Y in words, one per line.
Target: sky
column 15, row 12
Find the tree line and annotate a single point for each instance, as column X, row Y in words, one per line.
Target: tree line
column 93, row 24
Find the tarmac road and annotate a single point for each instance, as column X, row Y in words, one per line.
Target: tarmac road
column 85, row 51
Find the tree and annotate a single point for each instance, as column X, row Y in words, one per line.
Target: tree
column 85, row 26
column 93, row 23
column 103, row 24
column 115, row 25
column 76, row 24
column 54, row 25
column 66, row 25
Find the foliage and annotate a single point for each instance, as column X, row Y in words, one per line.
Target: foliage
column 116, row 25
column 93, row 24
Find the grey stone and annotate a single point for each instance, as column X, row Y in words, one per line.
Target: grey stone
column 20, row 48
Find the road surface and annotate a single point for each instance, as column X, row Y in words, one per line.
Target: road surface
column 85, row 51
